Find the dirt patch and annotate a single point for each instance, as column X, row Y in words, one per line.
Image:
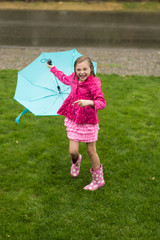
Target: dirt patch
column 82, row 6
column 62, row 6
column 110, row 60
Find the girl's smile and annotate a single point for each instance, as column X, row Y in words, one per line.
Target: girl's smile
column 83, row 71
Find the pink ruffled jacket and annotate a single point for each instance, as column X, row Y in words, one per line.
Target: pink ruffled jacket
column 90, row 89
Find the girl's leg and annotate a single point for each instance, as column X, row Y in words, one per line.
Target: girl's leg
column 76, row 158
column 73, row 150
column 96, row 170
column 91, row 150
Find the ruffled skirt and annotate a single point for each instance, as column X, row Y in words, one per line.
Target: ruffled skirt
column 81, row 132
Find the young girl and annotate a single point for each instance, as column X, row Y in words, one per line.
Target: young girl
column 80, row 109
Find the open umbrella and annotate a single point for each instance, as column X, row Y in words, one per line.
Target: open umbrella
column 38, row 90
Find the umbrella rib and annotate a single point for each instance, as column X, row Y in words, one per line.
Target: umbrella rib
column 63, row 93
column 65, row 89
column 46, row 88
column 54, row 79
column 63, row 98
column 38, row 84
column 51, row 105
column 73, row 54
column 51, row 95
column 35, row 99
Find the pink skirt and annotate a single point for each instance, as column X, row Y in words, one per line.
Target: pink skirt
column 81, row 132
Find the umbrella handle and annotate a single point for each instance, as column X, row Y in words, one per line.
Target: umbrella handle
column 49, row 62
column 44, row 60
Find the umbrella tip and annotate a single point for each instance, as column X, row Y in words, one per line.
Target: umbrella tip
column 17, row 120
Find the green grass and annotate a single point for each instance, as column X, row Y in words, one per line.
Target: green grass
column 39, row 198
column 151, row 6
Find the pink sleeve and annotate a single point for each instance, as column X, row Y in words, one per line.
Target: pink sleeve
column 61, row 76
column 98, row 98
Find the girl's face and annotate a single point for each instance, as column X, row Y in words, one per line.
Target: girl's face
column 83, row 71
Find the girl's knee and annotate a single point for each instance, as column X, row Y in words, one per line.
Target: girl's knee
column 91, row 151
column 91, row 147
column 73, row 154
column 73, row 149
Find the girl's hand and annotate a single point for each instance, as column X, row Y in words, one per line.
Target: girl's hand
column 50, row 66
column 84, row 103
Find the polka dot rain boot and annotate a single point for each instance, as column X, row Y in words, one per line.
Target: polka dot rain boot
column 75, row 168
column 97, row 179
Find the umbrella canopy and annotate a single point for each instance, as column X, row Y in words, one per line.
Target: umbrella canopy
column 38, row 90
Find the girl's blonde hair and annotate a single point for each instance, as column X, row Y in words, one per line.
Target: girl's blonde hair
column 85, row 58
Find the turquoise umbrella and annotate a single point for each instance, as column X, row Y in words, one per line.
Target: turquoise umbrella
column 38, row 90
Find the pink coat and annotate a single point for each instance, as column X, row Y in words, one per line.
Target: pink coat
column 90, row 89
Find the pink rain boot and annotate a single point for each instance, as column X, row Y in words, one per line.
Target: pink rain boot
column 75, row 168
column 97, row 179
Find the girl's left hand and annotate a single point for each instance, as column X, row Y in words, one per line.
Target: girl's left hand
column 84, row 103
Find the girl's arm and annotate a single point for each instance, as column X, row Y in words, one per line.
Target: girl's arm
column 98, row 97
column 60, row 75
column 98, row 101
column 84, row 103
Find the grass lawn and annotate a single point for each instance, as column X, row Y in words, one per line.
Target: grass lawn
column 41, row 201
column 152, row 6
